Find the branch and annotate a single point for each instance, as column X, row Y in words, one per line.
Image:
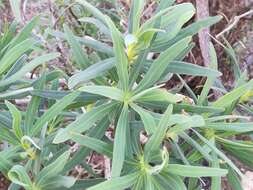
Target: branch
column 204, row 39
column 234, row 23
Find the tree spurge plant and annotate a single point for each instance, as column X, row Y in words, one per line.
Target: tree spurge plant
column 161, row 139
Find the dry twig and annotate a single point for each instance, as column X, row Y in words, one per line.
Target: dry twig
column 204, row 39
column 234, row 23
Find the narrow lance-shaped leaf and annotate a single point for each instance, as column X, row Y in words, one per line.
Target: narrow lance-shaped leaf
column 84, row 122
column 165, row 3
column 16, row 66
column 7, row 160
column 219, row 153
column 16, row 119
column 29, row 67
column 174, row 21
column 233, row 179
column 210, row 80
column 157, row 138
column 97, row 23
column 216, row 180
column 60, row 182
column 18, row 175
column 135, row 15
column 234, row 95
column 233, row 127
column 195, row 171
column 107, row 91
column 79, row 55
column 15, row 7
column 121, row 58
column 7, row 135
column 197, row 146
column 87, row 41
column 157, row 95
column 14, row 53
column 25, row 32
column 96, row 133
column 119, row 146
column 91, row 72
column 93, row 143
column 146, row 117
column 54, row 111
column 96, row 12
column 33, row 107
column 158, row 67
column 187, row 31
column 185, row 68
column 117, row 183
column 52, row 169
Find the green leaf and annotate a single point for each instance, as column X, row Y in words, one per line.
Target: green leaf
column 219, row 153
column 52, row 170
column 146, row 117
column 87, row 41
column 121, row 57
column 93, row 143
column 119, row 145
column 187, row 31
column 236, row 144
column 96, row 12
column 7, row 159
column 195, row 171
column 18, row 175
column 7, row 135
column 29, row 67
column 118, row 183
column 80, row 57
column 14, row 53
column 165, row 3
column 197, row 146
column 91, row 72
column 54, row 111
column 157, row 95
column 169, row 181
column 234, row 95
column 158, row 67
column 94, row 132
column 83, row 183
column 98, row 24
column 233, row 179
column 25, row 32
column 193, row 121
column 242, row 152
column 19, row 93
column 57, row 182
column 85, row 98
column 157, row 138
column 107, row 91
column 135, row 16
column 210, row 80
column 215, row 181
column 33, row 107
column 234, row 127
column 164, row 16
column 173, row 21
column 160, row 105
column 15, row 7
column 84, row 122
column 185, row 68
column 16, row 66
column 16, row 119
column 5, row 119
